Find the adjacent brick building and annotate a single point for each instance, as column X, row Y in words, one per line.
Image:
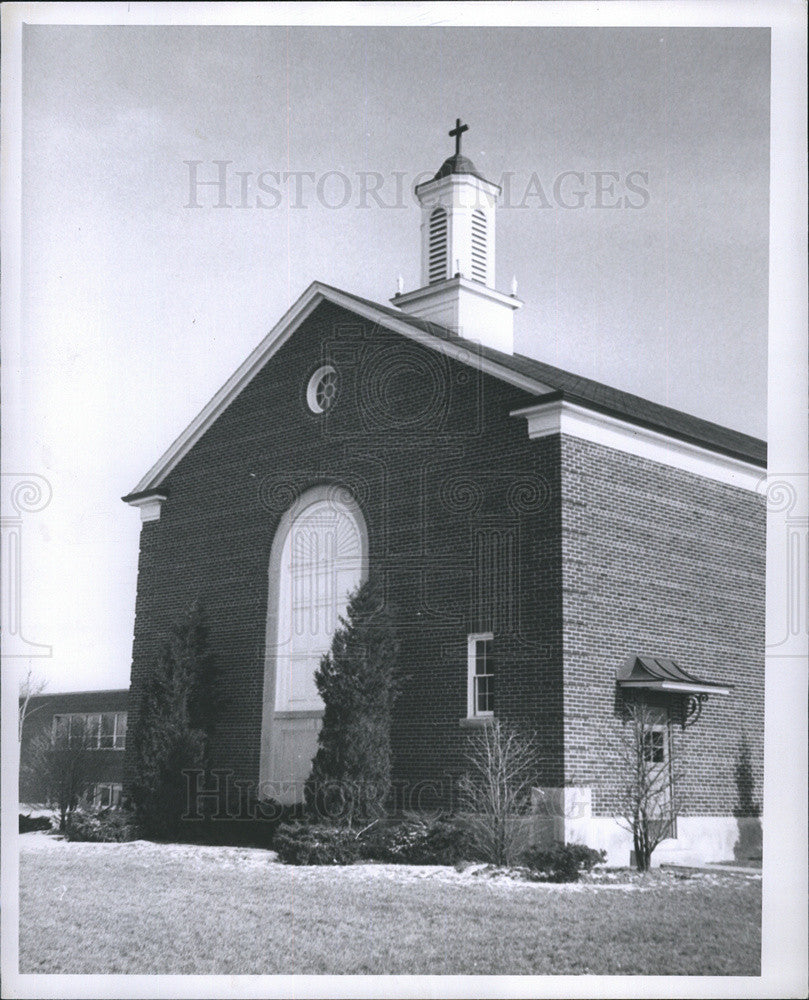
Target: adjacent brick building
column 103, row 718
column 547, row 546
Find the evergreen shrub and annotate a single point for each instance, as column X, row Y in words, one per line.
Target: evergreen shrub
column 316, row 844
column 30, row 823
column 101, row 827
column 562, row 862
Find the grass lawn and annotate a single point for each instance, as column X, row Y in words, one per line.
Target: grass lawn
column 149, row 908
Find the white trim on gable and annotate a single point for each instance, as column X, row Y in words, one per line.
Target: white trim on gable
column 559, row 416
column 149, row 506
column 278, row 336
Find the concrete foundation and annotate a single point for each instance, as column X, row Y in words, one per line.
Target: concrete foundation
column 565, row 815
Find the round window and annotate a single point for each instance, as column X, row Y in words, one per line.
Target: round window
column 322, row 389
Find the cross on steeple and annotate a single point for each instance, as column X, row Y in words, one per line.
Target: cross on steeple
column 456, row 133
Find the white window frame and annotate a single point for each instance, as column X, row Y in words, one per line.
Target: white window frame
column 471, row 686
column 115, row 790
column 661, row 729
column 118, row 742
column 313, row 385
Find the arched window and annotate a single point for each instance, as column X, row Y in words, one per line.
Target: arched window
column 318, row 557
column 479, row 246
column 321, row 563
column 438, row 245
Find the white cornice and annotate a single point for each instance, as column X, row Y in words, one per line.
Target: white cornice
column 149, row 506
column 452, row 285
column 562, row 417
column 278, row 336
column 429, row 188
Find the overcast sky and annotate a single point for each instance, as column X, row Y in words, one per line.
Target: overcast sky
column 137, row 305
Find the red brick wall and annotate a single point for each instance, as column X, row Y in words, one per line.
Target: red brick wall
column 663, row 562
column 443, row 475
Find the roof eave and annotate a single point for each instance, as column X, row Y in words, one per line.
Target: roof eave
column 678, row 687
column 658, row 427
column 274, row 340
column 143, row 495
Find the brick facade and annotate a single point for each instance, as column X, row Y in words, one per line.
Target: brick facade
column 447, row 482
column 660, row 561
column 573, row 555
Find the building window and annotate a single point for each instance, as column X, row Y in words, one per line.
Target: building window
column 481, row 675
column 438, row 246
column 322, row 389
column 654, row 746
column 321, row 565
column 101, row 730
column 107, row 795
column 658, row 776
column 479, row 246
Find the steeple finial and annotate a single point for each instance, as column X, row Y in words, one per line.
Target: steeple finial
column 456, row 133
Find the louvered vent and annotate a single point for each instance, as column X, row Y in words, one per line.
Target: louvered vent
column 479, row 246
column 438, row 245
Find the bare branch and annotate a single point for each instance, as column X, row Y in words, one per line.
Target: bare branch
column 496, row 790
column 648, row 794
column 31, row 687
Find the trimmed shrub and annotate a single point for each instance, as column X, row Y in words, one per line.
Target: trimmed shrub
column 358, row 682
column 413, row 841
column 30, row 823
column 562, row 862
column 417, row 841
column 299, row 844
column 104, row 826
column 173, row 727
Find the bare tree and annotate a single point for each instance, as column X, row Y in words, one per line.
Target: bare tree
column 31, row 687
column 649, row 792
column 496, row 790
column 58, row 762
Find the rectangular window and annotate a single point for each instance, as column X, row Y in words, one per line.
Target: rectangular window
column 102, row 731
column 654, row 746
column 480, row 676
column 107, row 735
column 92, row 730
column 61, row 727
column 658, row 776
column 107, row 796
column 120, row 730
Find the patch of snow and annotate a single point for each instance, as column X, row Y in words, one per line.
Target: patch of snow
column 202, row 856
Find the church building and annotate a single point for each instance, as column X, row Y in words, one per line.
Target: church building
column 550, row 549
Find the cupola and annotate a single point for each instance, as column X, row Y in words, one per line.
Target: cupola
column 457, row 255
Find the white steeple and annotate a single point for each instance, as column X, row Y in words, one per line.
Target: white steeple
column 457, row 255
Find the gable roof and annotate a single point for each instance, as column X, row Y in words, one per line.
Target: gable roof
column 542, row 380
column 604, row 398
